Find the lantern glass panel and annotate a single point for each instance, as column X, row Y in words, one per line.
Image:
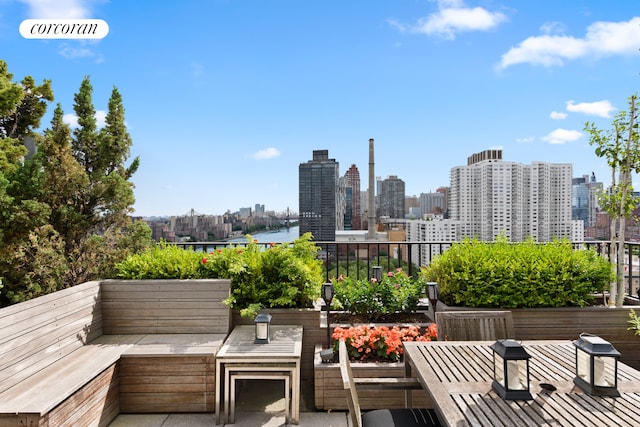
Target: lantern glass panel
column 262, row 331
column 498, row 369
column 583, row 362
column 604, row 371
column 516, row 374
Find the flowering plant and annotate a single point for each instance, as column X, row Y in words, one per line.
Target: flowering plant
column 396, row 292
column 380, row 342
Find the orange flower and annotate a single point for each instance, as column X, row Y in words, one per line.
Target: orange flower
column 382, row 343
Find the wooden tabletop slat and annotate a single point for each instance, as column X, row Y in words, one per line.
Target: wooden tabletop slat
column 458, row 375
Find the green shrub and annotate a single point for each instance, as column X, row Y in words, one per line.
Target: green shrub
column 513, row 275
column 395, row 293
column 634, row 320
column 281, row 276
column 163, row 261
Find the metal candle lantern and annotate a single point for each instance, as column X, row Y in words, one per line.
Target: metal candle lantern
column 262, row 321
column 433, row 293
column 596, row 366
column 511, row 370
column 328, row 291
column 376, row 273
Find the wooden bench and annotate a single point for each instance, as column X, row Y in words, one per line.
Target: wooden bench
column 172, row 368
column 82, row 355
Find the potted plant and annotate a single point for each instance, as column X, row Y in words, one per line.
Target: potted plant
column 374, row 299
column 376, row 352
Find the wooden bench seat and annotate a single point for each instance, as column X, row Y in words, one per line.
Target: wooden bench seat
column 169, row 373
column 173, row 368
column 57, row 368
column 38, row 395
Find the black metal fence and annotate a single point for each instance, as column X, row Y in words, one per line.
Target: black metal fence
column 356, row 259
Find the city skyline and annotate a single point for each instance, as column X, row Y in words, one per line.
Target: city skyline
column 224, row 100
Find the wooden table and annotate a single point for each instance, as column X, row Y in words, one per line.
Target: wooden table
column 457, row 376
column 239, row 354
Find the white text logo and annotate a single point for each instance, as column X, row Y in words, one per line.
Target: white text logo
column 64, row 29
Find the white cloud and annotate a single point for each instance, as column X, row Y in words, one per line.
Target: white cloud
column 197, row 70
column 598, row 108
column 453, row 18
column 81, row 51
column 267, row 153
column 101, row 115
column 561, row 136
column 69, row 9
column 556, row 115
column 525, row 140
column 553, row 27
column 601, row 39
column 72, row 120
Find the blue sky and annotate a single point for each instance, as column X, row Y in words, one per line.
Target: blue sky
column 224, row 99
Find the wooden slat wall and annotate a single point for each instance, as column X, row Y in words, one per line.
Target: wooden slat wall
column 567, row 323
column 330, row 394
column 37, row 333
column 96, row 404
column 167, row 384
column 165, row 306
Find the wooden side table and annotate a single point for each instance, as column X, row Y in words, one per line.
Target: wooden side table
column 240, row 356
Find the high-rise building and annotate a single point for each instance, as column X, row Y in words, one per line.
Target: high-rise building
column 584, row 201
column 391, row 198
column 490, row 197
column 432, row 203
column 440, row 233
column 353, row 182
column 318, row 187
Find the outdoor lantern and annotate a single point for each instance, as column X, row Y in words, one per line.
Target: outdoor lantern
column 328, row 292
column 596, row 366
column 376, row 272
column 511, row 370
column 433, row 293
column 262, row 322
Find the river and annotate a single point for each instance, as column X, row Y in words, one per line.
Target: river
column 284, row 235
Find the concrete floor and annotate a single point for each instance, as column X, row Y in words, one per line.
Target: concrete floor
column 258, row 403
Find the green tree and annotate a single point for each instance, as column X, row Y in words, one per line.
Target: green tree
column 64, row 212
column 620, row 147
column 89, row 188
column 30, row 253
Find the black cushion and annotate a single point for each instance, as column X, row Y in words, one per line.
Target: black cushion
column 400, row 417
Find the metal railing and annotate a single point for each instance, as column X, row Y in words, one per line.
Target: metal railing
column 357, row 259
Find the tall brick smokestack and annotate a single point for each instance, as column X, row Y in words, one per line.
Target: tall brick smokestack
column 372, row 194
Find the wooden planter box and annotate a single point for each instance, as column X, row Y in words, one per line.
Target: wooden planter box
column 309, row 318
column 329, row 394
column 569, row 322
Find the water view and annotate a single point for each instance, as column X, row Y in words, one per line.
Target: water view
column 279, row 236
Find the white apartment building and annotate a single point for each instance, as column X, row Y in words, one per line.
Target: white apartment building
column 440, row 233
column 490, row 196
